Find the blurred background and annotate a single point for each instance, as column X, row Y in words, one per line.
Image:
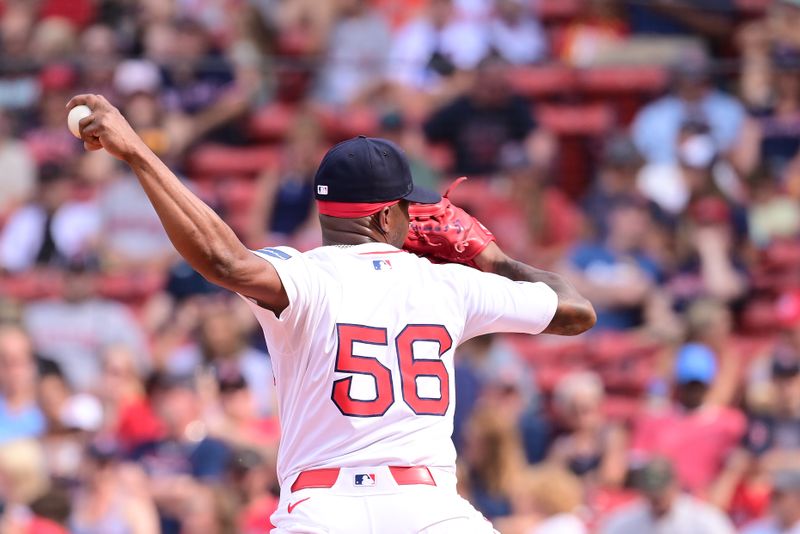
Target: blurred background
column 648, row 149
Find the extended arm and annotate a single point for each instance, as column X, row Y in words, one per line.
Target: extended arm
column 198, row 234
column 574, row 315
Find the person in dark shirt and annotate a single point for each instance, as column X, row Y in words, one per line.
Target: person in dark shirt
column 480, row 123
column 185, row 456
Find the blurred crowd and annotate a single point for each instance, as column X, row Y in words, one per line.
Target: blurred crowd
column 648, row 149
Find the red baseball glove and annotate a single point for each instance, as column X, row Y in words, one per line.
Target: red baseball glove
column 445, row 233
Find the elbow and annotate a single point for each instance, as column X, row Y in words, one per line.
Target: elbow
column 585, row 318
column 573, row 319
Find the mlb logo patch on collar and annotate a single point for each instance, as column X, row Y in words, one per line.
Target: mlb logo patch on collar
column 365, row 479
column 382, row 265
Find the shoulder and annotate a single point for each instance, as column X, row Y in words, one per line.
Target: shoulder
column 277, row 253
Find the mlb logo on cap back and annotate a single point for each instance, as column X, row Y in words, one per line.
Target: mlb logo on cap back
column 366, row 479
column 322, row 189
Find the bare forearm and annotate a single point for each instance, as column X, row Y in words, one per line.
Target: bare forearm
column 198, row 234
column 575, row 314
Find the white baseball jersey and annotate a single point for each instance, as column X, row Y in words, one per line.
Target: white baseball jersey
column 363, row 354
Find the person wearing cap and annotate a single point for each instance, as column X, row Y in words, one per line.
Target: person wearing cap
column 656, row 127
column 695, row 436
column 785, row 506
column 664, row 508
column 361, row 334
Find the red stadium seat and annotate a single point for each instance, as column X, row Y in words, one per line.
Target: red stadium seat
column 31, row 285
column 543, row 81
column 341, row 124
column 550, row 11
column 218, row 160
column 576, row 126
column 591, row 120
column 272, row 122
column 759, row 316
column 627, row 79
column 626, row 88
column 131, row 287
column 622, row 408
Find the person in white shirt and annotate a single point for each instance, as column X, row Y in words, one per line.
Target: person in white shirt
column 362, row 334
column 664, row 509
column 515, row 35
column 431, row 48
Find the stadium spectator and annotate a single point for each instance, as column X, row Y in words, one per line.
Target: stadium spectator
column 657, row 125
column 695, row 436
column 111, row 499
column 436, row 46
column 699, row 169
column 515, row 35
column 398, row 128
column 254, row 480
column 785, row 516
column 24, row 479
column 591, row 447
column 664, row 508
column 222, row 347
column 74, row 330
column 137, row 83
column 19, row 86
column 770, row 135
column 492, row 458
column 20, row 416
column 234, row 415
column 209, row 510
column 773, row 215
column 127, row 413
column 600, row 268
column 178, row 464
column 489, row 372
column 552, row 223
column 100, row 43
column 547, row 499
column 50, row 230
column 707, row 263
column 618, row 168
column 710, row 323
column 18, row 173
column 48, row 141
column 71, row 418
column 712, row 20
column 598, row 26
column 478, row 124
column 131, row 235
column 351, row 68
column 284, row 203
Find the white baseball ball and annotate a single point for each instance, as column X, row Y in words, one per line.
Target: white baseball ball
column 75, row 116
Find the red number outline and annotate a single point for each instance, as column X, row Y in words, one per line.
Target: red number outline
column 411, row 368
column 347, row 362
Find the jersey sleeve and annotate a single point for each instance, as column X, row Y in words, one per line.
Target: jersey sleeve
column 303, row 292
column 493, row 303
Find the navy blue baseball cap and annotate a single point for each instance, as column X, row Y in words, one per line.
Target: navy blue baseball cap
column 362, row 175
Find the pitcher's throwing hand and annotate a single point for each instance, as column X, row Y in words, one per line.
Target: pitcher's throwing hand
column 106, row 128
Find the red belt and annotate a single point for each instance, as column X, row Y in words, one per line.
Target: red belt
column 326, row 478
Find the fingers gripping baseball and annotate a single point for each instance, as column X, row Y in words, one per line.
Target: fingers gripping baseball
column 105, row 127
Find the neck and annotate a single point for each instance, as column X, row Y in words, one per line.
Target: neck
column 337, row 231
